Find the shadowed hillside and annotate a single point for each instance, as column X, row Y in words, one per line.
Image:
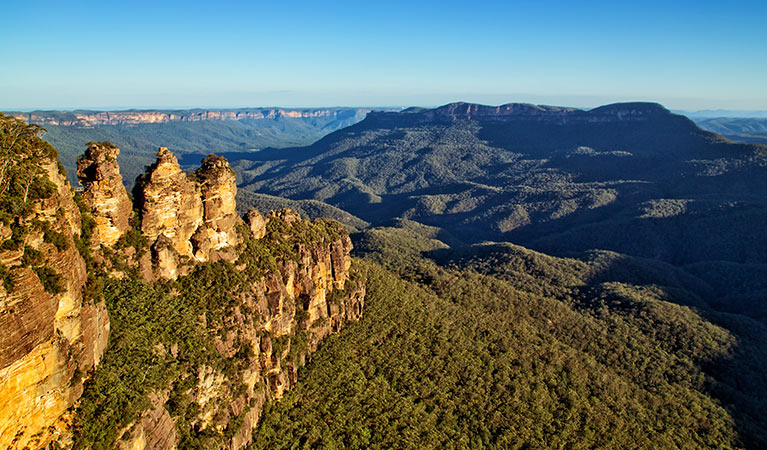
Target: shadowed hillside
column 632, row 178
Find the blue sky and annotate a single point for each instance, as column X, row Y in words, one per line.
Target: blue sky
column 686, row 55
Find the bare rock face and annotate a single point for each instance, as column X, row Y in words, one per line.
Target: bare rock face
column 170, row 203
column 156, row 430
column 50, row 337
column 194, row 214
column 105, row 193
column 217, row 234
column 256, row 223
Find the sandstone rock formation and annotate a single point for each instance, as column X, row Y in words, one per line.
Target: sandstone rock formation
column 193, row 213
column 256, row 223
column 283, row 308
column 217, row 232
column 105, row 193
column 49, row 339
column 170, row 203
column 281, row 317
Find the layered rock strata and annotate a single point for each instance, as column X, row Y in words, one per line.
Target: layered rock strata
column 216, row 237
column 280, row 317
column 105, row 193
column 281, row 312
column 188, row 216
column 49, row 339
column 96, row 118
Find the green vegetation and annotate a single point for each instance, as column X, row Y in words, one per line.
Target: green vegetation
column 658, row 187
column 7, row 278
column 24, row 181
column 537, row 352
column 22, row 177
column 311, row 209
column 157, row 341
column 50, row 279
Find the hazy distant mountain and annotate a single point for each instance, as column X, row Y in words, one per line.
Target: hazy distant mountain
column 752, row 130
column 730, row 113
column 632, row 178
column 139, row 133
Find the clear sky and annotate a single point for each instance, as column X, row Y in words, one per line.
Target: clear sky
column 684, row 54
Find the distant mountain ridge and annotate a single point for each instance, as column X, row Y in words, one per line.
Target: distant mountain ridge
column 622, row 177
column 519, row 111
column 88, row 118
column 752, row 130
column 139, row 133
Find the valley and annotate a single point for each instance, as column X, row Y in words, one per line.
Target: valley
column 517, row 276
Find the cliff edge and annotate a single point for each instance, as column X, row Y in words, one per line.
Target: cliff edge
column 246, row 301
column 51, row 335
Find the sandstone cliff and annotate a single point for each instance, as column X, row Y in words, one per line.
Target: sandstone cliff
column 105, row 193
column 134, row 117
column 251, row 299
column 50, row 336
column 216, row 237
column 188, row 217
column 279, row 317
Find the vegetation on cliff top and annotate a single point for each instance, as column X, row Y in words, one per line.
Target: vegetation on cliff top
column 24, row 181
column 502, row 347
column 22, row 178
column 157, row 343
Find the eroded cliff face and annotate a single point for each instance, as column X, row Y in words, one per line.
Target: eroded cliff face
column 216, row 237
column 277, row 322
column 50, row 336
column 265, row 291
column 188, row 218
column 96, row 118
column 105, row 193
column 170, row 204
column 283, row 308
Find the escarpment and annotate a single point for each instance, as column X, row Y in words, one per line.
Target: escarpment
column 263, row 316
column 273, row 287
column 210, row 315
column 50, row 335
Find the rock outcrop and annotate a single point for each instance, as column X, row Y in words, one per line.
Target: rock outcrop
column 188, row 217
column 280, row 318
column 216, row 238
column 256, row 223
column 289, row 285
column 105, row 193
column 170, row 204
column 50, row 337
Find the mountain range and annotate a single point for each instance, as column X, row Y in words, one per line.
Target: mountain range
column 632, row 178
column 532, row 276
column 140, row 132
